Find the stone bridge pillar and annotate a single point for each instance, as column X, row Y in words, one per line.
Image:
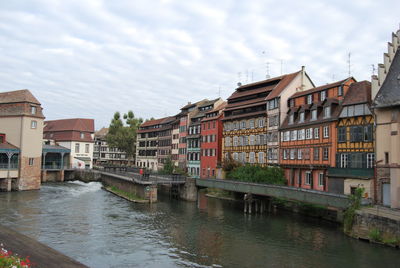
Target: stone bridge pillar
column 188, row 191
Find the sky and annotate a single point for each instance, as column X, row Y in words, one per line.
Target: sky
column 89, row 59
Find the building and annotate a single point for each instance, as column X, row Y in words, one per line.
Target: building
column 154, row 141
column 211, row 142
column 386, row 107
column 194, row 136
column 104, row 154
column 21, row 128
column 185, row 116
column 309, row 136
column 175, row 141
column 253, row 115
column 355, row 156
column 76, row 134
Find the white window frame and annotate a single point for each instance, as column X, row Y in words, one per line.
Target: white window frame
column 321, row 179
column 327, row 112
column 261, row 157
column 252, row 156
column 344, row 160
column 370, row 160
column 326, row 131
column 323, row 95
column 261, row 122
column 309, row 99
column 313, row 115
column 251, row 123
column 293, row 135
column 316, row 133
column 33, row 124
column 301, row 117
column 308, row 178
column 33, row 109
column 300, row 154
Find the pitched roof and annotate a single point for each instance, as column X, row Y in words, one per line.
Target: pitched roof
column 320, row 88
column 102, row 132
column 23, row 95
column 389, row 93
column 359, row 92
column 8, row 146
column 73, row 124
column 285, row 81
column 152, row 122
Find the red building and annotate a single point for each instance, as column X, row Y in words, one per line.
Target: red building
column 211, row 141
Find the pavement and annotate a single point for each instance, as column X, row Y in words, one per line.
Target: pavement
column 39, row 254
column 390, row 213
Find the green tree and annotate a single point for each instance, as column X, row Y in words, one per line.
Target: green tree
column 122, row 135
column 168, row 168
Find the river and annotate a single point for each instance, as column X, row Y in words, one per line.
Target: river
column 100, row 229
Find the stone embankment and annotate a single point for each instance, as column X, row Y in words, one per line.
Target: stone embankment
column 39, row 254
column 378, row 225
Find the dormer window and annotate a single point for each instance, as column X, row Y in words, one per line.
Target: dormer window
column 33, row 109
column 340, row 91
column 301, row 120
column 291, row 119
column 314, row 114
column 309, row 99
column 291, row 103
column 82, row 135
column 323, row 95
column 327, row 112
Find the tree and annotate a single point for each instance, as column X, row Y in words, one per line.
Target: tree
column 122, row 135
column 168, row 168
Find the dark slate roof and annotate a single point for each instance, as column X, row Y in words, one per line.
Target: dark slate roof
column 359, row 92
column 320, row 88
column 55, row 149
column 389, row 93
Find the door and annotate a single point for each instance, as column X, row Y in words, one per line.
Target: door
column 386, row 194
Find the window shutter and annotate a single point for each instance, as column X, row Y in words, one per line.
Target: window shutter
column 349, row 162
column 337, row 160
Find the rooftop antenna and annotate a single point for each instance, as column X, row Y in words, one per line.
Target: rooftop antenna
column 349, row 62
column 373, row 69
column 239, row 79
column 247, row 76
column 281, row 67
column 268, row 75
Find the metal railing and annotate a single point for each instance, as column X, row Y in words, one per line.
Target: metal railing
column 12, row 166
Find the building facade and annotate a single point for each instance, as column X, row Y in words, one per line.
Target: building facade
column 164, row 145
column 175, row 141
column 76, row 134
column 252, row 117
column 103, row 154
column 211, row 142
column 309, row 136
column 355, row 156
column 386, row 107
column 21, row 128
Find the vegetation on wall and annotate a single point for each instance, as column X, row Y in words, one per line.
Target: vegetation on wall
column 122, row 134
column 258, row 174
column 349, row 214
column 168, row 167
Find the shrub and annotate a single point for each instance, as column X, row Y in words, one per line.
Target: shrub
column 258, row 174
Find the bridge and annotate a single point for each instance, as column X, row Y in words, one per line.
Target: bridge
column 278, row 191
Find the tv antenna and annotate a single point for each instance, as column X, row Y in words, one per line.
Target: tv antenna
column 267, row 65
column 349, row 63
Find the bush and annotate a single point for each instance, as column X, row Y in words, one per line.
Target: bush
column 258, row 174
column 349, row 214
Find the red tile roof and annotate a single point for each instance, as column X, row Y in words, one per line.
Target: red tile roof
column 283, row 83
column 320, row 88
column 74, row 124
column 7, row 146
column 22, row 95
column 359, row 92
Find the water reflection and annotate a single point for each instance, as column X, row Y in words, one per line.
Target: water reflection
column 102, row 230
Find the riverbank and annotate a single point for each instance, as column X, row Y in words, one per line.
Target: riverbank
column 39, row 254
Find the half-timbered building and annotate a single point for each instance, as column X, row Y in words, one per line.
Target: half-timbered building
column 355, row 157
column 308, row 134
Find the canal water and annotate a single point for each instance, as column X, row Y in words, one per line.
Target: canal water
column 100, row 229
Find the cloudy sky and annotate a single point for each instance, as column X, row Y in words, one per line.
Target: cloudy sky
column 87, row 58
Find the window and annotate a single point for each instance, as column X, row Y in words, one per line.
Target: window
column 293, row 135
column 33, row 109
column 321, row 179
column 285, row 153
column 316, row 153
column 292, row 153
column 291, row 103
column 356, row 160
column 252, row 157
column 306, row 153
column 316, row 133
column 260, row 157
column 243, row 125
column 301, row 134
column 33, row 124
column 323, row 95
column 272, row 104
column 301, row 119
column 340, row 91
column 356, row 133
column 291, row 119
column 252, row 140
column 31, row 161
column 308, row 178
column 344, row 161
column 309, row 99
column 342, row 134
column 76, row 147
column 326, row 153
column 327, row 112
column 300, row 154
column 82, row 135
column 368, row 133
column 87, row 148
column 235, row 141
column 370, row 160
column 261, row 122
column 326, row 131
column 309, row 133
column 258, row 140
column 286, row 136
column 251, row 123
column 314, row 114
column 386, row 158
column 235, row 125
column 273, row 121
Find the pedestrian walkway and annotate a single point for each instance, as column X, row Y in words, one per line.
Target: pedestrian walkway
column 380, row 211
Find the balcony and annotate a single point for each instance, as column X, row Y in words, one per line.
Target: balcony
column 359, row 173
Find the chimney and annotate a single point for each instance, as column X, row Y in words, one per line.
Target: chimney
column 303, row 74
